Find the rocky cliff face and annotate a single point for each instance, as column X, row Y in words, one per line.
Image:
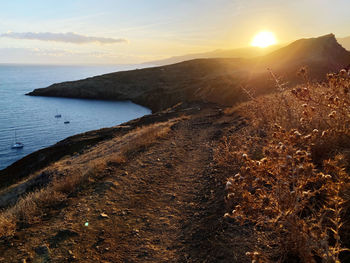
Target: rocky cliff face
column 214, row 80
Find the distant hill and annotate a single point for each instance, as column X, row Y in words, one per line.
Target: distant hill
column 217, row 80
column 345, row 42
column 321, row 55
column 248, row 52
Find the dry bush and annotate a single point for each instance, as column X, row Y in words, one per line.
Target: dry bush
column 26, row 209
column 117, row 160
column 294, row 189
column 145, row 136
column 67, row 183
column 7, row 224
column 49, row 197
column 289, row 200
column 30, row 208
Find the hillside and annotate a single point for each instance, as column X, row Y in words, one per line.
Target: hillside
column 214, row 80
column 152, row 205
column 266, row 180
column 194, row 183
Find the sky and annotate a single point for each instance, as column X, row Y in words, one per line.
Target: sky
column 136, row 31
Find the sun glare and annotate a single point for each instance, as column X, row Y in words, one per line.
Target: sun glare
column 264, row 39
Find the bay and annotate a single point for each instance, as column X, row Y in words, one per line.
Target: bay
column 33, row 120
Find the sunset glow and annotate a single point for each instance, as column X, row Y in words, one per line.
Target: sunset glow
column 264, row 39
column 123, row 32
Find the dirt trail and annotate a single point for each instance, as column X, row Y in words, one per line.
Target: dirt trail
column 164, row 205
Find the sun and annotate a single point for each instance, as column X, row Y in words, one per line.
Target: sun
column 264, row 39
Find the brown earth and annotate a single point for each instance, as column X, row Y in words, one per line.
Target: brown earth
column 165, row 204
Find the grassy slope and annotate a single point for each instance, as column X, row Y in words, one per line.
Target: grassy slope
column 163, row 204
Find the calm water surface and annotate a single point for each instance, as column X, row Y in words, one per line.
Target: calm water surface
column 33, row 117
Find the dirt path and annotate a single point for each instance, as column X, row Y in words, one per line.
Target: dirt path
column 164, row 205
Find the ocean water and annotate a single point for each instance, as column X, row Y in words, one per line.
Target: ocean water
column 33, row 120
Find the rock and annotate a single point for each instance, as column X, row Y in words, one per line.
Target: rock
column 103, row 216
column 71, row 257
column 168, row 165
column 42, row 254
column 61, row 236
column 42, row 250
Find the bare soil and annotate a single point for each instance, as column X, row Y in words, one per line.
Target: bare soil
column 165, row 204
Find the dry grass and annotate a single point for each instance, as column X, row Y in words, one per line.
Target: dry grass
column 81, row 172
column 145, row 137
column 7, row 223
column 291, row 168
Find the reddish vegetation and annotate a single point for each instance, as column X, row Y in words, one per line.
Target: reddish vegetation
column 292, row 172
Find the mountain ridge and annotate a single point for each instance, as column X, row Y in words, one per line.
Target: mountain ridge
column 218, row 80
column 243, row 52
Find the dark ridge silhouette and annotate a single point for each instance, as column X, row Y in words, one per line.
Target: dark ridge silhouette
column 217, row 80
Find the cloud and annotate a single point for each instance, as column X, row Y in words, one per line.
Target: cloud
column 63, row 37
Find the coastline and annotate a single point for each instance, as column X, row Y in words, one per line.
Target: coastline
column 74, row 145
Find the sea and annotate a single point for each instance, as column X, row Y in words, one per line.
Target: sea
column 31, row 120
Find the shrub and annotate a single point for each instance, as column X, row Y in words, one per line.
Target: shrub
column 294, row 190
column 7, row 224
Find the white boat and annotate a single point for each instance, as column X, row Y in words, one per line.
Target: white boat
column 17, row 145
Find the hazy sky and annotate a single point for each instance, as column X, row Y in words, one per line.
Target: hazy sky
column 132, row 31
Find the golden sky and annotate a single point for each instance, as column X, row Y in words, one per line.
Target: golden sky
column 133, row 31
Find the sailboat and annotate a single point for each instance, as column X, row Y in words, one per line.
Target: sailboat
column 17, row 145
column 58, row 115
column 66, row 120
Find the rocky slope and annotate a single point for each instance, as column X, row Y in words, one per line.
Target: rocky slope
column 214, row 80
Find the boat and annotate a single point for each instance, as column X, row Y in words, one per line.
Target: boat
column 66, row 122
column 17, row 145
column 58, row 115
